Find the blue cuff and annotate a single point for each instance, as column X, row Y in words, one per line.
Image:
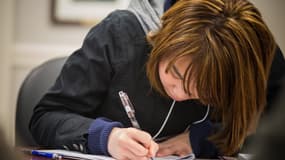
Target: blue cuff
column 201, row 146
column 98, row 135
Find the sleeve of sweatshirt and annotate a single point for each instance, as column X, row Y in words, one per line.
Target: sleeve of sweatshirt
column 201, row 146
column 98, row 135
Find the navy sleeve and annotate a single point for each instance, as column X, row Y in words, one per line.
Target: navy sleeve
column 201, row 146
column 98, row 135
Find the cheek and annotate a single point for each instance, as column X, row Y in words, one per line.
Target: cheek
column 166, row 79
column 163, row 79
column 162, row 74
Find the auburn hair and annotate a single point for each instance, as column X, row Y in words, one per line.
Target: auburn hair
column 231, row 51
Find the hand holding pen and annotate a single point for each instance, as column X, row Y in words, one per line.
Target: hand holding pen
column 131, row 143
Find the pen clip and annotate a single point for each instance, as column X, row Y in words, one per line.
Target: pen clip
column 130, row 103
column 126, row 102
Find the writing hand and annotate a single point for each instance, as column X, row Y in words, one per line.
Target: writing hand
column 178, row 145
column 131, row 143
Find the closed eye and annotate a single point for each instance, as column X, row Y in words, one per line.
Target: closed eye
column 176, row 73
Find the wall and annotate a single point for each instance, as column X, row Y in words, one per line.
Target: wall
column 273, row 13
column 6, row 32
column 28, row 38
column 35, row 40
column 33, row 25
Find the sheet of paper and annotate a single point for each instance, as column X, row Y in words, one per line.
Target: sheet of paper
column 79, row 156
column 187, row 157
column 244, row 156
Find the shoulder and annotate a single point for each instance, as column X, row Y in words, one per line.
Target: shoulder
column 116, row 36
column 122, row 16
column 118, row 23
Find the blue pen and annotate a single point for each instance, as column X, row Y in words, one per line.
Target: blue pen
column 44, row 154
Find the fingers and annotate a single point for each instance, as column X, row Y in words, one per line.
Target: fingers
column 131, row 143
column 178, row 145
column 137, row 148
column 173, row 151
column 153, row 149
column 140, row 136
column 143, row 143
column 165, row 149
column 164, row 152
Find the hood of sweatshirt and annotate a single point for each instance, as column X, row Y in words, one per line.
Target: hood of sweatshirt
column 148, row 13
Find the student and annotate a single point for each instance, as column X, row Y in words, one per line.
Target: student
column 206, row 56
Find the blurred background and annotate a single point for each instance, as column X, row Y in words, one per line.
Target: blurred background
column 33, row 31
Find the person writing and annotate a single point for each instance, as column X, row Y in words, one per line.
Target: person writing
column 206, row 57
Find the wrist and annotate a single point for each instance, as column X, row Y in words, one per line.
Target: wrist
column 99, row 132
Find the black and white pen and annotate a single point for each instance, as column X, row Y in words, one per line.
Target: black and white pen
column 129, row 109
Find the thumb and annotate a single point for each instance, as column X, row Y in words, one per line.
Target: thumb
column 153, row 148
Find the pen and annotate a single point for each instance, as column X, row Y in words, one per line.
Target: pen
column 129, row 109
column 43, row 154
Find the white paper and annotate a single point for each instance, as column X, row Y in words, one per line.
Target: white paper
column 243, row 156
column 174, row 158
column 81, row 156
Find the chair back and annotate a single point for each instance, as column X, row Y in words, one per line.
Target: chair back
column 34, row 86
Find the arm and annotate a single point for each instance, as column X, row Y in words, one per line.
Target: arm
column 70, row 114
column 65, row 113
column 201, row 146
